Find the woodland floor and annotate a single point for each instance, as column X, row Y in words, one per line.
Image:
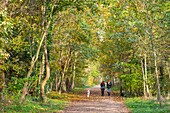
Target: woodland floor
column 97, row 103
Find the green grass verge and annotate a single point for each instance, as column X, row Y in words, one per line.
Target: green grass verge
column 139, row 105
column 53, row 105
column 56, row 102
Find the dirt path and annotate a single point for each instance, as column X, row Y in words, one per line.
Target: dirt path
column 97, row 103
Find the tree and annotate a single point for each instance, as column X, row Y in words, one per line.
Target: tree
column 35, row 58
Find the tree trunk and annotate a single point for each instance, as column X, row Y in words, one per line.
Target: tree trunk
column 35, row 58
column 47, row 66
column 121, row 88
column 156, row 68
column 168, row 81
column 2, row 81
column 64, row 66
column 62, row 82
column 144, row 82
column 2, row 76
column 73, row 76
column 74, row 72
column 150, row 33
column 146, row 77
column 42, row 67
column 68, row 86
column 56, row 83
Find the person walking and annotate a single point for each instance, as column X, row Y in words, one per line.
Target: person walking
column 102, row 86
column 109, row 85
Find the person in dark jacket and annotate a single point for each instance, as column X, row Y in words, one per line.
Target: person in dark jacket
column 102, row 86
column 109, row 85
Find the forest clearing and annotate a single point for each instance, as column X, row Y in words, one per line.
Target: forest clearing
column 53, row 53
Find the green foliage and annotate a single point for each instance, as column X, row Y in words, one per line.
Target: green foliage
column 112, row 34
column 16, row 85
column 139, row 105
column 115, row 88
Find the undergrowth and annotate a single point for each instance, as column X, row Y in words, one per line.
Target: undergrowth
column 56, row 102
column 53, row 105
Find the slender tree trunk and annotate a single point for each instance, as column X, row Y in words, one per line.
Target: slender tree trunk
column 121, row 88
column 64, row 70
column 146, row 77
column 168, row 69
column 156, row 69
column 150, row 32
column 157, row 78
column 2, row 81
column 73, row 76
column 35, row 58
column 47, row 66
column 51, row 86
column 61, row 78
column 2, row 76
column 144, row 82
column 62, row 82
column 74, row 72
column 56, row 83
column 64, row 66
column 42, row 67
column 68, row 84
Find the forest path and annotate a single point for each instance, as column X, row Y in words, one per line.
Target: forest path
column 97, row 103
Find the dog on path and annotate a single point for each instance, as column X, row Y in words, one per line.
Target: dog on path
column 88, row 93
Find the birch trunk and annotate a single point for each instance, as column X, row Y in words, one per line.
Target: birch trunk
column 47, row 65
column 156, row 69
column 146, row 77
column 144, row 82
column 150, row 33
column 35, row 58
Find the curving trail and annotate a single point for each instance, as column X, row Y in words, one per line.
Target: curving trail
column 97, row 103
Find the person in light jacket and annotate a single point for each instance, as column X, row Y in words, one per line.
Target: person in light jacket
column 109, row 85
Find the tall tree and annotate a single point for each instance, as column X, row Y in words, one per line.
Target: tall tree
column 35, row 58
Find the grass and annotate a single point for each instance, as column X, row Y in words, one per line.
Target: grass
column 53, row 105
column 56, row 102
column 139, row 105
